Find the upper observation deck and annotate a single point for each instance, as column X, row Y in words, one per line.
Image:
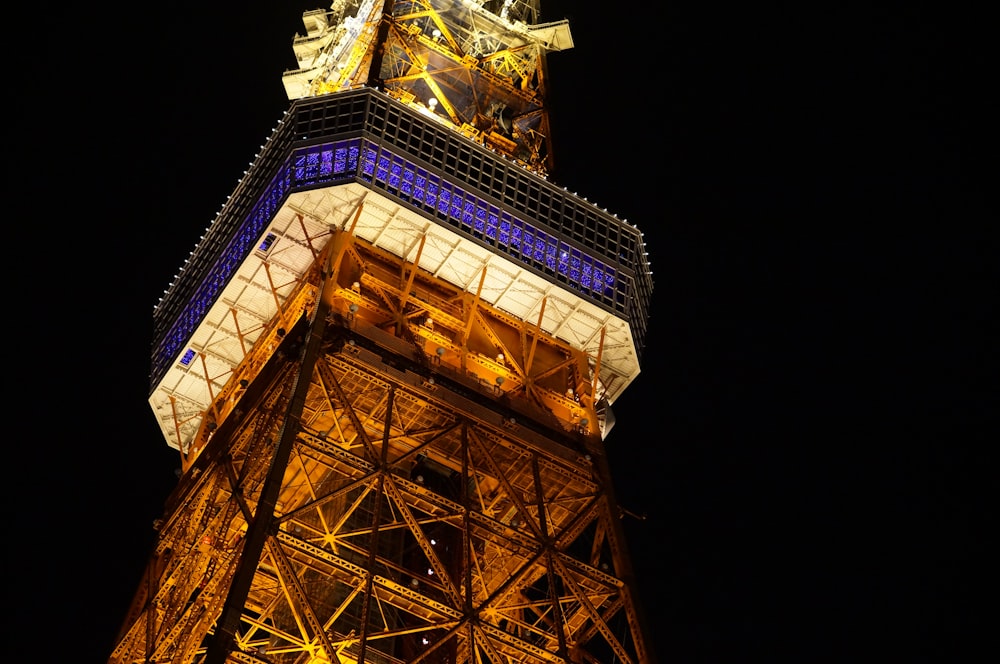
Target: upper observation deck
column 400, row 179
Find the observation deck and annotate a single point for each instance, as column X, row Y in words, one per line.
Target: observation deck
column 405, row 186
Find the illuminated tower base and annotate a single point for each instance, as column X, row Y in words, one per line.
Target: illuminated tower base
column 388, row 370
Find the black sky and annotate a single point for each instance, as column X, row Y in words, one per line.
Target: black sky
column 805, row 441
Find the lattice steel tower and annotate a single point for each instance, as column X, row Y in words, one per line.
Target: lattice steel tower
column 388, row 367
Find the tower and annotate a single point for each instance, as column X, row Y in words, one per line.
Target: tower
column 388, row 368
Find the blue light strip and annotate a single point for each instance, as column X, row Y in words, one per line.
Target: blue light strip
column 339, row 162
column 474, row 216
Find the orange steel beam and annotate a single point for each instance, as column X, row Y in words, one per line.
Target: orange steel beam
column 177, row 431
column 471, row 316
column 413, row 267
column 597, row 368
column 239, row 331
column 208, row 381
column 309, row 239
column 270, row 282
column 534, row 341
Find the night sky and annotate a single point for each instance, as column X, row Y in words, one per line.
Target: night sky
column 802, row 452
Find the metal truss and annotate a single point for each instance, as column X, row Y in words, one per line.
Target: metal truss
column 478, row 66
column 360, row 499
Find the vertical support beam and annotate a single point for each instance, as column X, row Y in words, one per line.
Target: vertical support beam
column 376, row 520
column 370, row 571
column 305, row 234
column 259, row 528
column 471, row 317
column 466, row 529
column 342, row 241
column 239, row 331
column 402, row 324
column 270, row 283
column 597, row 369
column 557, row 614
column 177, row 432
column 534, row 340
column 413, row 267
column 208, row 381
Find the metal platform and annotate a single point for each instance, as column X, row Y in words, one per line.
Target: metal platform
column 452, row 211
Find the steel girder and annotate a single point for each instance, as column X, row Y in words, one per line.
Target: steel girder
column 363, row 500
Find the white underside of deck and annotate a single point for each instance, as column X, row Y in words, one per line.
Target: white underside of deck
column 301, row 228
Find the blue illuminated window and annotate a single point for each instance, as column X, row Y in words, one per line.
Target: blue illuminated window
column 266, row 244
